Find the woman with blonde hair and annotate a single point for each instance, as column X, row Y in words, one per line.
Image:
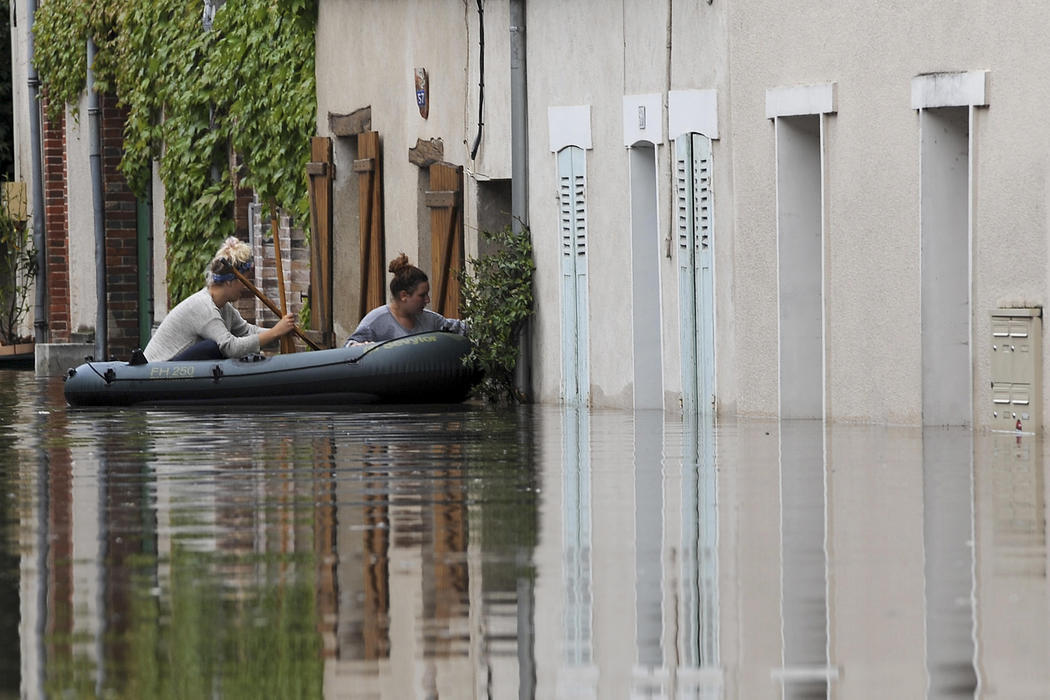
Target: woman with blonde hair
column 406, row 313
column 206, row 325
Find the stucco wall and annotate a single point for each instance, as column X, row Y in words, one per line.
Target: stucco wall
column 872, row 233
column 587, row 54
column 376, row 70
column 586, row 69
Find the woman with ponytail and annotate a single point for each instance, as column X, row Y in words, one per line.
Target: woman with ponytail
column 205, row 325
column 406, row 313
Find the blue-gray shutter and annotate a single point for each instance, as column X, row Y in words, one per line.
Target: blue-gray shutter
column 694, row 228
column 572, row 190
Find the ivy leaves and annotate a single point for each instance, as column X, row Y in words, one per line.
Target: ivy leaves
column 60, row 51
column 194, row 99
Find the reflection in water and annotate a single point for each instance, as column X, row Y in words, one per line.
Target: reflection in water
column 1012, row 605
column 700, row 674
column 648, row 530
column 541, row 552
column 10, row 651
column 804, row 607
column 579, row 677
column 948, row 532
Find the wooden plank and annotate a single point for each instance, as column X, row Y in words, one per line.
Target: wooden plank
column 321, row 239
column 446, row 235
column 357, row 122
column 443, row 198
column 315, row 169
column 364, row 165
column 370, row 203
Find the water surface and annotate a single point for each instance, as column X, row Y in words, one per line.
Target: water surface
column 462, row 552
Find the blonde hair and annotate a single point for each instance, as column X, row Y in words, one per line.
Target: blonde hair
column 232, row 253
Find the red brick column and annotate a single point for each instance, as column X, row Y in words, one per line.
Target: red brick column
column 56, row 226
column 122, row 296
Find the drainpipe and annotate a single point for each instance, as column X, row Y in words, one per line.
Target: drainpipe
column 39, row 237
column 519, row 167
column 94, row 142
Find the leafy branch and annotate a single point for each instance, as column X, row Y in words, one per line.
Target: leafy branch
column 497, row 300
column 18, row 268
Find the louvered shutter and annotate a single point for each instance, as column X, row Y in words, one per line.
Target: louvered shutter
column 572, row 191
column 694, row 228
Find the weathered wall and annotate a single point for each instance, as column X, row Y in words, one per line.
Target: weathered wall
column 80, row 222
column 872, row 235
column 375, row 70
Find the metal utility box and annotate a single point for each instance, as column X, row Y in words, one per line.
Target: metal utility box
column 1017, row 360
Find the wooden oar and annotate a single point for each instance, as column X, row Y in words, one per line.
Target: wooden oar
column 287, row 344
column 271, row 306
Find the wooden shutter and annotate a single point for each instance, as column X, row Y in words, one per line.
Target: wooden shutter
column 445, row 201
column 572, row 191
column 368, row 166
column 320, row 173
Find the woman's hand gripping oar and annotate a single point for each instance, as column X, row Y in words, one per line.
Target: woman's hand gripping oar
column 271, row 306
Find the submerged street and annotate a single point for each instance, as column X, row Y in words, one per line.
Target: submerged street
column 539, row 552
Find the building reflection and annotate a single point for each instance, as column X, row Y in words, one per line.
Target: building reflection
column 664, row 558
column 296, row 563
column 577, row 676
column 948, row 546
column 700, row 674
column 431, row 596
column 1012, row 599
column 806, row 670
column 650, row 677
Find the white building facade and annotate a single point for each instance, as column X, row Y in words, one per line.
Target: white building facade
column 767, row 210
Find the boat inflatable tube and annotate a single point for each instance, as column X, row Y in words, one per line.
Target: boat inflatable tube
column 421, row 368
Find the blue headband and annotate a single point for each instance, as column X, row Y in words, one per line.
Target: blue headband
column 243, row 267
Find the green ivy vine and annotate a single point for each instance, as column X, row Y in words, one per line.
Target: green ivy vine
column 219, row 109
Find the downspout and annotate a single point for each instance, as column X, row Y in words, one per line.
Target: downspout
column 519, row 167
column 94, row 142
column 39, row 237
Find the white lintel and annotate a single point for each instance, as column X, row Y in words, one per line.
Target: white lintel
column 643, row 119
column 569, row 126
column 692, row 111
column 801, row 99
column 958, row 89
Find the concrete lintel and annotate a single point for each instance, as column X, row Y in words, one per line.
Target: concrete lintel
column 569, row 126
column 690, row 111
column 801, row 100
column 643, row 119
column 958, row 89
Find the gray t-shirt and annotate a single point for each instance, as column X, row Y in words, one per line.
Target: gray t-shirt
column 379, row 324
column 196, row 318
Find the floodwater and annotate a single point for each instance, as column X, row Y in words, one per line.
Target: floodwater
column 534, row 553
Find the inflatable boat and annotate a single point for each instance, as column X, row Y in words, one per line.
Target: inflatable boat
column 421, row 368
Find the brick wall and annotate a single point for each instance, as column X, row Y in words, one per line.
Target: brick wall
column 122, row 296
column 295, row 256
column 56, row 226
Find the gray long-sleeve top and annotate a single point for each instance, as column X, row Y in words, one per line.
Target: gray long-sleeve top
column 196, row 318
column 379, row 324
